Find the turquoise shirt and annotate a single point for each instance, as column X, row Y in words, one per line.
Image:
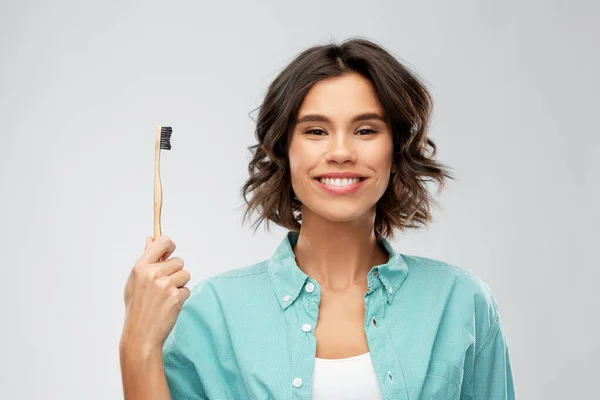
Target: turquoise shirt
column 433, row 330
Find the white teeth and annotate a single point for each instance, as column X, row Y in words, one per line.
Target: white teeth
column 339, row 182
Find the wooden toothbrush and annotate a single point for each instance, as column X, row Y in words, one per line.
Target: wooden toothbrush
column 163, row 142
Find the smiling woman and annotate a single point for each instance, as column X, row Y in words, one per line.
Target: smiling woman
column 341, row 110
column 342, row 161
column 350, row 101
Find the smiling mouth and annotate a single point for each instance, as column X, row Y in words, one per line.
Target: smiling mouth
column 340, row 182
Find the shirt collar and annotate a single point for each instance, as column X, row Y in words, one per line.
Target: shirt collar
column 288, row 279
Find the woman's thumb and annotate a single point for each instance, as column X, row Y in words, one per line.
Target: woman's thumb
column 149, row 241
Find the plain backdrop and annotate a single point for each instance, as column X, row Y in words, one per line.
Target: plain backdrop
column 83, row 86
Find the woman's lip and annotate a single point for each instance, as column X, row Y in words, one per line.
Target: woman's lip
column 340, row 176
column 341, row 189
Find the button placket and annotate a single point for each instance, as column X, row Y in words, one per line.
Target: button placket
column 305, row 343
column 390, row 374
column 309, row 287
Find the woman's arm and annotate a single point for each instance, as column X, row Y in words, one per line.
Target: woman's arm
column 154, row 295
column 143, row 375
column 492, row 376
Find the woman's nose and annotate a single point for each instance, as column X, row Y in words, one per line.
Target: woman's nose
column 339, row 149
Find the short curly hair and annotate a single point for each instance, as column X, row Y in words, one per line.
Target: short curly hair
column 407, row 104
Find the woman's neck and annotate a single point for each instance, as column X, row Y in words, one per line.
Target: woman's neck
column 338, row 255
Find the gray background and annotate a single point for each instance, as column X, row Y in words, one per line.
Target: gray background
column 83, row 86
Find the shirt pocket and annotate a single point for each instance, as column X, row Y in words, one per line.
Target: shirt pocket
column 442, row 381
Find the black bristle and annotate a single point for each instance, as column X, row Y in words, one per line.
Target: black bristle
column 165, row 137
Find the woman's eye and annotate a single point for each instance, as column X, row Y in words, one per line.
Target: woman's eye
column 369, row 131
column 320, row 132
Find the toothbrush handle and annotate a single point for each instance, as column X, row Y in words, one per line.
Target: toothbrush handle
column 157, row 187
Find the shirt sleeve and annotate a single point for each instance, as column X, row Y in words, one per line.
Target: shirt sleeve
column 492, row 374
column 182, row 378
column 491, row 377
column 180, row 351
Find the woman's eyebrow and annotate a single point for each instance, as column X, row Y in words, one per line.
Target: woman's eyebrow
column 322, row 118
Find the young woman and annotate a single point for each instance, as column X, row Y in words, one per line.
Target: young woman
column 342, row 161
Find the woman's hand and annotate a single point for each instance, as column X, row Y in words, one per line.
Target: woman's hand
column 154, row 295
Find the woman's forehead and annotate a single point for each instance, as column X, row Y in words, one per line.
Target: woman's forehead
column 352, row 93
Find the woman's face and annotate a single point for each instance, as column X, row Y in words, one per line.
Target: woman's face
column 339, row 130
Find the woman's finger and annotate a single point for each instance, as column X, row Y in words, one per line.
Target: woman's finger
column 180, row 278
column 156, row 251
column 170, row 266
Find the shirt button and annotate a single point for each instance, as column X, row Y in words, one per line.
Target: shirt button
column 287, row 297
column 310, row 287
column 374, row 322
column 390, row 290
column 297, row 382
column 306, row 327
column 375, row 273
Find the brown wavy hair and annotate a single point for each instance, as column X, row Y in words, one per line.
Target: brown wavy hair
column 408, row 107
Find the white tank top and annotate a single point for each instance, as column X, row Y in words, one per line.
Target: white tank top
column 351, row 378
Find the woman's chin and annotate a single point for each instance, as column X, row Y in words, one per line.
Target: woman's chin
column 341, row 214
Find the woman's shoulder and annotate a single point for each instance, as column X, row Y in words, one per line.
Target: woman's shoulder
column 460, row 291
column 233, row 283
column 456, row 280
column 440, row 269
